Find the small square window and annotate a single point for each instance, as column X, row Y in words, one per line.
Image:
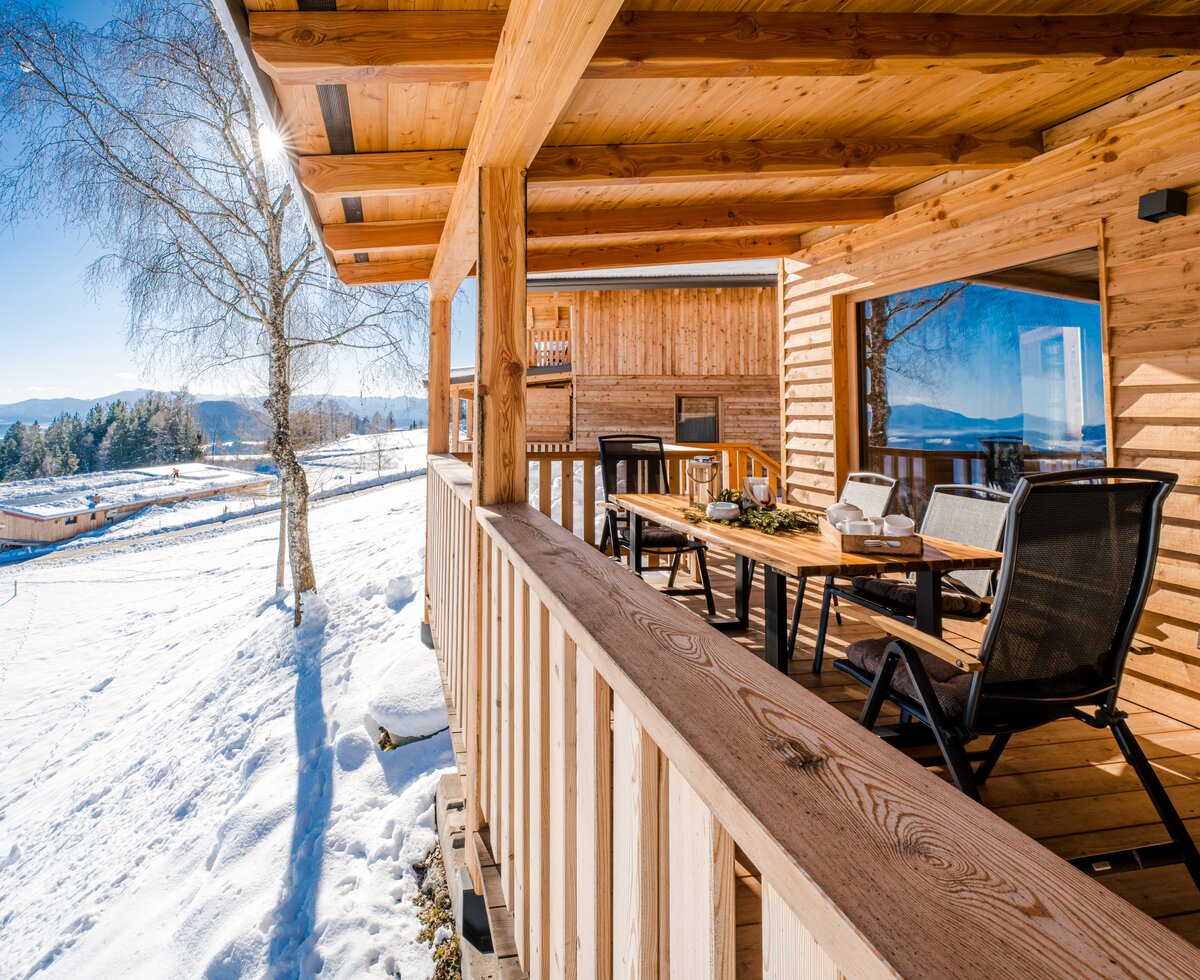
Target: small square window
column 71, row 520
column 93, row 516
column 697, row 418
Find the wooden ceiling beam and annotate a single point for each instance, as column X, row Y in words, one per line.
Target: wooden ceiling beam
column 606, row 256
column 366, row 174
column 460, row 46
column 562, row 227
column 543, row 51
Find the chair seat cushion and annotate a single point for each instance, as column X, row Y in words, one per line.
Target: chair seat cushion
column 900, row 595
column 949, row 685
column 656, row 536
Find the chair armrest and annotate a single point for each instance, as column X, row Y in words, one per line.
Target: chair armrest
column 609, row 505
column 930, row 644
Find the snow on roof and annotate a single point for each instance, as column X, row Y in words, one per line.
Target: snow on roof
column 62, row 496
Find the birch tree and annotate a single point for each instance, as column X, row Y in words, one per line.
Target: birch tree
column 145, row 131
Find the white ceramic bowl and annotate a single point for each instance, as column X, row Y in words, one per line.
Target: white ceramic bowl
column 898, row 525
column 857, row 527
column 842, row 512
column 723, row 510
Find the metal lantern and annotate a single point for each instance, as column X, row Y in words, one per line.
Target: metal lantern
column 702, row 472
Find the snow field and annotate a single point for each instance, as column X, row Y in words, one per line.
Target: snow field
column 193, row 788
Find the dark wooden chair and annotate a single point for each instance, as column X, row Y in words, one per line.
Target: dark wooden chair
column 964, row 513
column 638, row 464
column 1079, row 553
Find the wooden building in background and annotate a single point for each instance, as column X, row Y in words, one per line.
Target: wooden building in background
column 690, row 356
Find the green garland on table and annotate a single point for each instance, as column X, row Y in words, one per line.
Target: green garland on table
column 756, row 519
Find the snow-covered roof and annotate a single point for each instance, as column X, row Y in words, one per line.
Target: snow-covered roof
column 55, row 497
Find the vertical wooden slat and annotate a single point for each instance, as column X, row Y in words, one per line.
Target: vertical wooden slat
column 472, row 711
column 502, row 841
column 439, row 375
column 522, row 774
column 545, row 485
column 702, row 879
column 492, row 669
column 664, row 869
column 589, row 501
column 789, row 951
column 562, row 803
column 539, row 790
column 568, row 494
column 593, row 817
column 635, row 848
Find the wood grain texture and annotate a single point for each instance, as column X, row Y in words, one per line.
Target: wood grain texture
column 635, row 848
column 320, row 48
column 702, row 882
column 563, row 908
column 789, row 951
column 439, row 375
column 759, row 753
column 499, row 435
column 593, row 815
column 543, row 51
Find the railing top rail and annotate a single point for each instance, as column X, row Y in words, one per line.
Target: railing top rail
column 892, row 869
column 455, row 472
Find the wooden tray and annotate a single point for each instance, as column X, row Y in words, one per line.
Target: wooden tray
column 873, row 544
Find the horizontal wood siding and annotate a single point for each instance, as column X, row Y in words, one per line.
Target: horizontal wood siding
column 1083, row 193
column 646, row 405
column 548, row 414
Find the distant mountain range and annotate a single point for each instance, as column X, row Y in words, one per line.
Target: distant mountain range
column 225, row 418
column 913, row 425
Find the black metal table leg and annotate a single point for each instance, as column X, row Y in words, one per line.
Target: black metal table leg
column 777, row 619
column 744, row 581
column 929, row 603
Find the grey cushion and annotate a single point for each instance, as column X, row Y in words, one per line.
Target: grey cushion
column 656, row 536
column 901, row 595
column 949, row 685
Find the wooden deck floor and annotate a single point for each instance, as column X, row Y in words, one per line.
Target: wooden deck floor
column 1065, row 784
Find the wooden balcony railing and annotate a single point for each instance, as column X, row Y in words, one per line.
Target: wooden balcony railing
column 626, row 760
column 549, row 346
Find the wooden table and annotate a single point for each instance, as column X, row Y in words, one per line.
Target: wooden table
column 803, row 555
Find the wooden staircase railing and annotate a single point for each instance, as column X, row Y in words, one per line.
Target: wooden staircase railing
column 632, row 768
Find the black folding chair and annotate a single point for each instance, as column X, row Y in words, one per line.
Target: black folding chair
column 875, row 495
column 638, row 464
column 1079, row 552
column 964, row 513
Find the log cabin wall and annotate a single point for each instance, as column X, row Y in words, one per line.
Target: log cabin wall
column 635, row 350
column 1081, row 194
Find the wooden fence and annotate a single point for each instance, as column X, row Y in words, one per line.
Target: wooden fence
column 549, row 346
column 630, row 763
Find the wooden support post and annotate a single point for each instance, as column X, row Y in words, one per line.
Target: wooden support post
column 500, row 470
column 439, row 375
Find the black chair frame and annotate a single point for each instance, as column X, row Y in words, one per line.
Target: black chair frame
column 1097, row 708
column 613, row 521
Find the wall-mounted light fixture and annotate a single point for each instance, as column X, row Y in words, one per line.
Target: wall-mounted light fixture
column 1162, row 204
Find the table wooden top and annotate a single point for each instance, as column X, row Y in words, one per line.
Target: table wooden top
column 802, row 553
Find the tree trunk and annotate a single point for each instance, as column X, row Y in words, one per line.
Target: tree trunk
column 282, row 534
column 877, row 393
column 295, row 482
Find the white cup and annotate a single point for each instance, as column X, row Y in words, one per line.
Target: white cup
column 898, row 526
column 842, row 512
column 858, row 527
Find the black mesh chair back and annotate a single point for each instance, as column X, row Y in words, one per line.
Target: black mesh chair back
column 633, row 464
column 1079, row 551
column 872, row 493
column 967, row 514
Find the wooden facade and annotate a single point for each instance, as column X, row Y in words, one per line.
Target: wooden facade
column 1081, row 195
column 626, row 355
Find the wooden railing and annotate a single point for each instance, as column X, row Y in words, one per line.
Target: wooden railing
column 627, row 760
column 549, row 346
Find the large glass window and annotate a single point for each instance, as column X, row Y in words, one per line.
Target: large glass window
column 978, row 382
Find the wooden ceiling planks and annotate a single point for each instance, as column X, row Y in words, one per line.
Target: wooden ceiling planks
column 440, row 115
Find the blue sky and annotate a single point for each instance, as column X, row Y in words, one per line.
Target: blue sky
column 61, row 339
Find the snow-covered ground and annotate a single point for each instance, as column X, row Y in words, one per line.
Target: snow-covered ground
column 353, row 462
column 192, row 788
